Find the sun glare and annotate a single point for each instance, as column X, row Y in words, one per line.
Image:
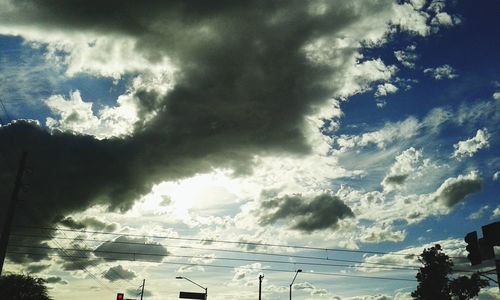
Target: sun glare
column 200, row 192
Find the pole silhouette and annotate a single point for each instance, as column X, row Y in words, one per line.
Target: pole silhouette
column 260, row 286
column 4, row 240
column 296, row 273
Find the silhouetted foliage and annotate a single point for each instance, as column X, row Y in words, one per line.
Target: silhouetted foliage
column 434, row 282
column 23, row 287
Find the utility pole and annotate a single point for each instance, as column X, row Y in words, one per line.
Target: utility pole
column 143, row 284
column 4, row 239
column 497, row 263
column 260, row 286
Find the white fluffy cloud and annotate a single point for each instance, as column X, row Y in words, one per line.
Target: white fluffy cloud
column 406, row 164
column 496, row 213
column 442, row 19
column 496, row 95
column 471, row 146
column 407, row 57
column 478, row 214
column 76, row 115
column 442, row 72
column 385, row 89
column 382, row 233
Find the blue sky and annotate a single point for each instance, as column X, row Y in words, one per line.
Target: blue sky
column 366, row 127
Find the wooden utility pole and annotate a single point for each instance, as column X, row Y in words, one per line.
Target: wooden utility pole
column 4, row 239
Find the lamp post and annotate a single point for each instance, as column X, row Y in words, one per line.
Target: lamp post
column 206, row 289
column 296, row 273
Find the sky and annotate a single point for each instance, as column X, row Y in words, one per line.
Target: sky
column 223, row 140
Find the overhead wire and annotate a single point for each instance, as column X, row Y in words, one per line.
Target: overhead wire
column 251, row 268
column 217, row 258
column 236, row 242
column 290, row 256
column 60, row 248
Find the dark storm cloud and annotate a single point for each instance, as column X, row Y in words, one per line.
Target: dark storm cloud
column 78, row 257
column 322, row 212
column 89, row 222
column 36, row 268
column 396, row 179
column 128, row 248
column 55, row 279
column 243, row 88
column 118, row 273
column 454, row 190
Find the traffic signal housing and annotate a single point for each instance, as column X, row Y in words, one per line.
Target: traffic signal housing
column 472, row 247
column 120, row 296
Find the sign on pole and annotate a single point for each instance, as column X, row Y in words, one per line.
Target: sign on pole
column 191, row 295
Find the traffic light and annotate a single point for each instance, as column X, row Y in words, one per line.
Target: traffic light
column 120, row 296
column 472, row 247
column 486, row 249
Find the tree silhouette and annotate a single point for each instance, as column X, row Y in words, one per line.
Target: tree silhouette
column 23, row 287
column 434, row 282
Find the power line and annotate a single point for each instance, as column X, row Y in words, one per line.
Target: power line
column 83, row 268
column 228, row 242
column 243, row 267
column 217, row 258
column 119, row 276
column 397, row 266
column 29, row 211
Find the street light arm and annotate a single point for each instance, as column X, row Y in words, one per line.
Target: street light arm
column 296, row 273
column 180, row 277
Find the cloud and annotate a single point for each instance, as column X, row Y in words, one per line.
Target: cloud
column 88, row 222
column 385, row 89
column 406, row 164
column 496, row 213
column 208, row 90
column 478, row 214
column 437, row 6
column 443, row 19
column 406, row 57
column 471, row 146
column 496, row 175
column 409, row 257
column 454, row 190
column 390, row 132
column 78, row 258
column 55, row 279
column 382, row 233
column 118, row 272
column 442, row 72
column 130, row 248
column 321, row 212
column 243, row 272
column 77, row 116
column 496, row 95
column 36, row 268
column 137, row 292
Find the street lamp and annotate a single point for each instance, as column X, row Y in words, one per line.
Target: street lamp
column 206, row 289
column 296, row 272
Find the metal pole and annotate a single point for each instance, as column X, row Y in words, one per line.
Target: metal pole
column 296, row 273
column 260, row 286
column 4, row 240
column 143, row 284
